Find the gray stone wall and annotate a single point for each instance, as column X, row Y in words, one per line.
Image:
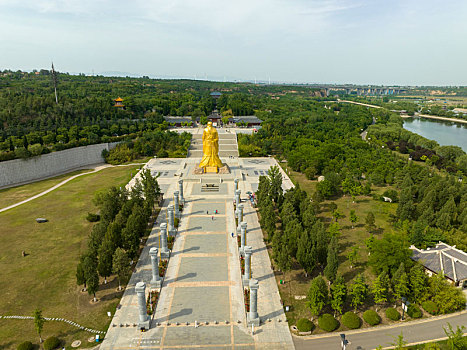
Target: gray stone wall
column 20, row 171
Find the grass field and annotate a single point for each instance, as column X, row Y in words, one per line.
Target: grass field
column 45, row 278
column 17, row 194
column 295, row 281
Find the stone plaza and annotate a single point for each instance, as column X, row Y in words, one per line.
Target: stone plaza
column 201, row 303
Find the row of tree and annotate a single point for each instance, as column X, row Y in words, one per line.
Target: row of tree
column 114, row 242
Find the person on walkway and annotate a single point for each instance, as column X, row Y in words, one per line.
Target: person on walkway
column 207, row 212
column 212, row 218
column 232, row 234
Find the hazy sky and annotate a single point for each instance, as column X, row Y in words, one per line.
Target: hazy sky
column 416, row 42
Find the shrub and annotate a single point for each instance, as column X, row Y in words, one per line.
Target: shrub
column 93, row 217
column 351, row 320
column 371, row 317
column 327, row 323
column 176, row 222
column 51, row 343
column 304, row 325
column 430, row 307
column 26, row 345
column 414, row 311
column 393, row 314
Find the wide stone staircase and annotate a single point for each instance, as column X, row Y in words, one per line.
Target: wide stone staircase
column 227, row 145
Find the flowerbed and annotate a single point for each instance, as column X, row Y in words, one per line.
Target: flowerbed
column 163, row 267
column 246, row 294
column 239, row 241
column 170, row 242
column 151, row 302
column 242, row 265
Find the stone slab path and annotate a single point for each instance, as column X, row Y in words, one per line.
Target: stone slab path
column 201, row 304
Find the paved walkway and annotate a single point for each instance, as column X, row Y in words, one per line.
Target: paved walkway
column 203, row 282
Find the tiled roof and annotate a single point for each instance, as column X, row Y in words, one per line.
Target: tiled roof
column 247, row 119
column 443, row 257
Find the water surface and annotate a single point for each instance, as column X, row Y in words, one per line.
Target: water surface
column 445, row 133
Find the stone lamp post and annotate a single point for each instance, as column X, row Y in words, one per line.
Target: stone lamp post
column 156, row 279
column 143, row 314
column 253, row 317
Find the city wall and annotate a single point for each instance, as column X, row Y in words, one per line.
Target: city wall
column 21, row 171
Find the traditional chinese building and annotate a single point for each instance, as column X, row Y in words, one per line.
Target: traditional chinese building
column 452, row 262
column 119, row 103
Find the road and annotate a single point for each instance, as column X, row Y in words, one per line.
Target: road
column 365, row 339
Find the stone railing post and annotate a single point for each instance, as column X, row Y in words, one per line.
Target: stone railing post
column 253, row 317
column 180, row 189
column 143, row 314
column 243, row 226
column 165, row 252
column 239, row 216
column 171, row 217
column 176, row 204
column 237, row 200
column 156, row 279
column 248, row 251
column 235, row 185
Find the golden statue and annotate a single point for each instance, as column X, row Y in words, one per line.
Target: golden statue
column 211, row 161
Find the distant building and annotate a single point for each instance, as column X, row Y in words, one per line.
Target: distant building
column 249, row 120
column 178, row 121
column 119, row 103
column 444, row 258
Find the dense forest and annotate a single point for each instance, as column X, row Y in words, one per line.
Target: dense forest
column 32, row 123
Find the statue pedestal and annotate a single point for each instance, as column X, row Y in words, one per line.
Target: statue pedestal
column 211, row 169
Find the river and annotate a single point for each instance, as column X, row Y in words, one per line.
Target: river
column 445, row 133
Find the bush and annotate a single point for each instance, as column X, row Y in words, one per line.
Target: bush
column 27, row 345
column 176, row 222
column 304, row 325
column 51, row 343
column 414, row 311
column 371, row 317
column 393, row 314
column 351, row 320
column 93, row 217
column 327, row 323
column 430, row 307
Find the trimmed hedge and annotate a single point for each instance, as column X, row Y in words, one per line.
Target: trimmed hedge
column 351, row 320
column 371, row 317
column 327, row 323
column 414, row 311
column 393, row 314
column 304, row 325
column 27, row 345
column 93, row 217
column 430, row 307
column 51, row 343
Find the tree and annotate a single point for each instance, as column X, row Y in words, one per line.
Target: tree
column 92, row 281
column 418, row 283
column 305, row 254
column 338, row 294
column 399, row 343
column 456, row 339
column 80, row 276
column 121, row 265
column 337, row 214
column 353, row 218
column 447, row 297
column 317, row 295
column 38, row 322
column 370, row 221
column 358, row 291
column 353, row 256
column 275, row 189
column 332, row 262
column 104, row 265
column 380, row 288
column 400, row 282
column 388, row 253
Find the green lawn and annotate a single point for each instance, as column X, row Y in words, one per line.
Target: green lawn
column 45, row 278
column 17, row 194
